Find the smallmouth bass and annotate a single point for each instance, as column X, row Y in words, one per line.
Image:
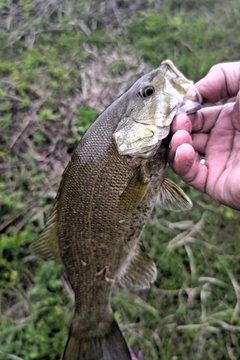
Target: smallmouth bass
column 106, row 195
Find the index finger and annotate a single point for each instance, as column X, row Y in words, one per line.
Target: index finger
column 201, row 121
column 205, row 119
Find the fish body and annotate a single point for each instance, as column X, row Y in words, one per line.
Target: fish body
column 106, row 195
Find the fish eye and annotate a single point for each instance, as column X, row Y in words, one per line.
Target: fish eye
column 147, row 91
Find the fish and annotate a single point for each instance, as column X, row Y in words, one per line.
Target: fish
column 106, row 195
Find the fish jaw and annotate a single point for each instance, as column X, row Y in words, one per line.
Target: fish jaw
column 191, row 100
column 142, row 130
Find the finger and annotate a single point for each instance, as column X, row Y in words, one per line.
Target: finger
column 199, row 142
column 236, row 113
column 187, row 167
column 221, row 82
column 179, row 138
column 205, row 119
column 181, row 121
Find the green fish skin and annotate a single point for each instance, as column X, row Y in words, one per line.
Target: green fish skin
column 106, row 195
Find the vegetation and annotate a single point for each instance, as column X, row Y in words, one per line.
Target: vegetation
column 61, row 63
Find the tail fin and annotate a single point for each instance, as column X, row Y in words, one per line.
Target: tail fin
column 110, row 345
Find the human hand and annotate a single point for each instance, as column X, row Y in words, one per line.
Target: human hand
column 205, row 146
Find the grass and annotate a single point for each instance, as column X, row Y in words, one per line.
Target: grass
column 61, row 64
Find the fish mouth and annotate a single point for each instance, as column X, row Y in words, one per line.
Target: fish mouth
column 191, row 103
column 180, row 86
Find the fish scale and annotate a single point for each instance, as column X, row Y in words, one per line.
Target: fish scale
column 106, row 195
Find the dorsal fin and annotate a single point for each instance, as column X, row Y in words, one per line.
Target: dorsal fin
column 46, row 245
column 172, row 197
column 139, row 272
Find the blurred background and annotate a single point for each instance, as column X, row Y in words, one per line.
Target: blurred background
column 61, row 63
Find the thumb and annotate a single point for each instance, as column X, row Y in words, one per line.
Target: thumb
column 222, row 82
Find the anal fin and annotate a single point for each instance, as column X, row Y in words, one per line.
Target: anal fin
column 139, row 272
column 46, row 245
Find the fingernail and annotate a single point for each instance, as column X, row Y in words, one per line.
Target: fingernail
column 175, row 155
column 171, row 142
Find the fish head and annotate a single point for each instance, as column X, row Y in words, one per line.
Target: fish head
column 153, row 101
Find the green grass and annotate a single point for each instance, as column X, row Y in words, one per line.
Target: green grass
column 61, row 64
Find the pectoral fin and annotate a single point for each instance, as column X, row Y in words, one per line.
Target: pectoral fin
column 46, row 245
column 139, row 272
column 172, row 197
column 134, row 191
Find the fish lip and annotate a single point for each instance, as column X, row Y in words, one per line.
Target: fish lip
column 195, row 107
column 192, row 102
column 194, row 96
